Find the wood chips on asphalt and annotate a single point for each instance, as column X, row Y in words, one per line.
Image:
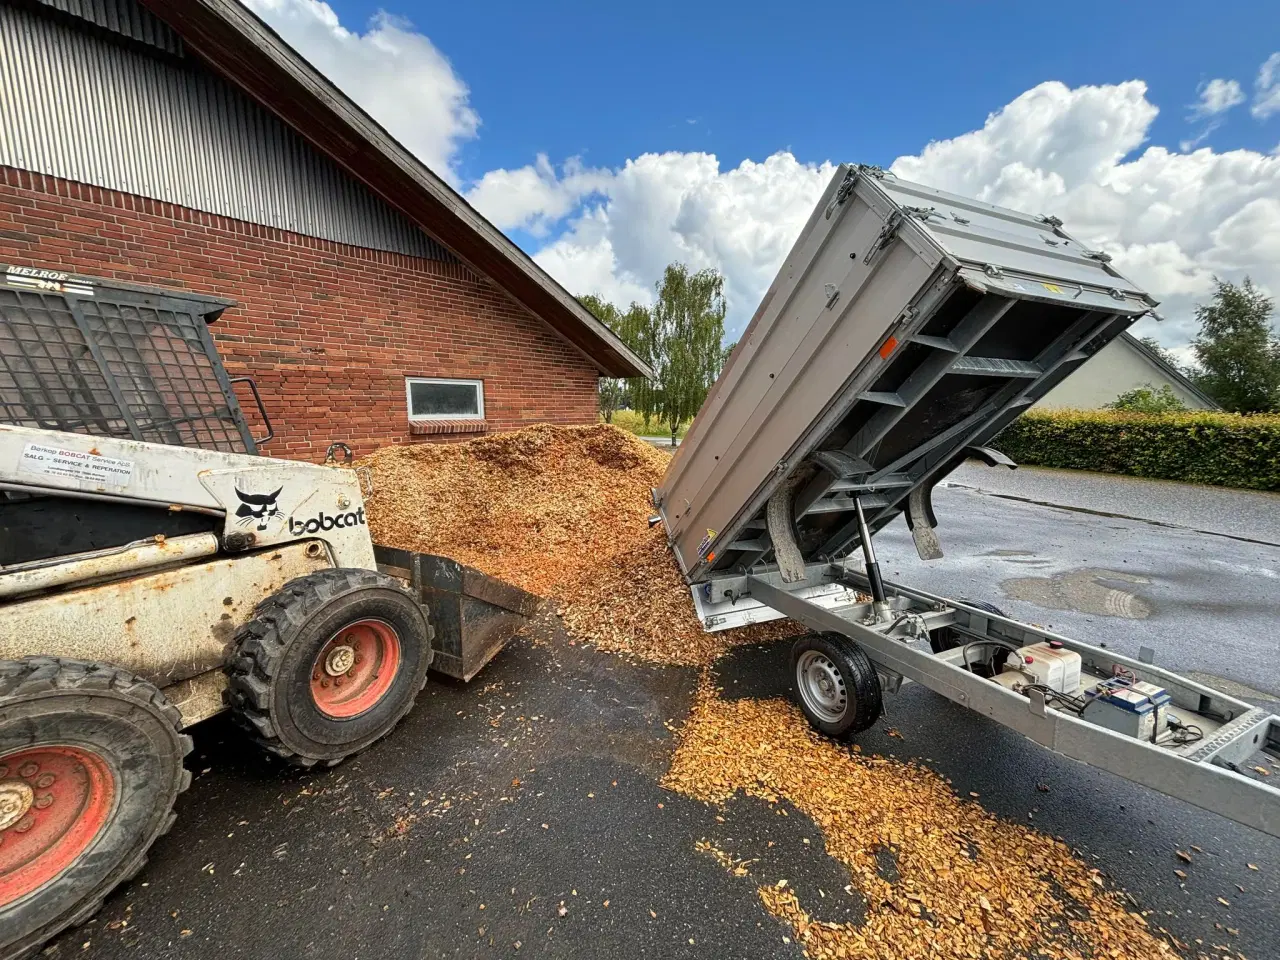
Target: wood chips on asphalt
column 969, row 885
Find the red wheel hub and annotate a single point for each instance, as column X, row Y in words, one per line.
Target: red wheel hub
column 355, row 669
column 54, row 801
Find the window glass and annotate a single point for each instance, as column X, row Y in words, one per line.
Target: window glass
column 432, row 398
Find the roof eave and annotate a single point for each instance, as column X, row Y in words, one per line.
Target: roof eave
column 250, row 54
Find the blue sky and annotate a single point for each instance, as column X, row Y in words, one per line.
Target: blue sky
column 825, row 80
column 608, row 139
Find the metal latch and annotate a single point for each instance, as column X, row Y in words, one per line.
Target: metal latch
column 885, row 236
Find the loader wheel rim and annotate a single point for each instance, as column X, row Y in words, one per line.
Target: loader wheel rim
column 54, row 802
column 821, row 686
column 355, row 668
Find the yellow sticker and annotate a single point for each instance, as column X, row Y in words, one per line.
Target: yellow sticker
column 1052, row 287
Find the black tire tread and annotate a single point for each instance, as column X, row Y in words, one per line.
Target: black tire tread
column 259, row 652
column 42, row 675
column 860, row 678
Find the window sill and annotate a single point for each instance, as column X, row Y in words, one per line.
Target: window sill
column 427, row 428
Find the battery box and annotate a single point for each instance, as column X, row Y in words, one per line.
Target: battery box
column 1137, row 710
column 1050, row 664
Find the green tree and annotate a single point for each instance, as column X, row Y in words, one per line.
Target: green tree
column 634, row 328
column 1152, row 344
column 1147, row 399
column 640, row 333
column 611, row 389
column 689, row 320
column 1238, row 352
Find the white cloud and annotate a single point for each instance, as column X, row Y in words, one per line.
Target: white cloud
column 391, row 70
column 682, row 206
column 1217, row 96
column 533, row 197
column 1266, row 89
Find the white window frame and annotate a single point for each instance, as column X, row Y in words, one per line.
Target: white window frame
column 408, row 399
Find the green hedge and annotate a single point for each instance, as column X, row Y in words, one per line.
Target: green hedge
column 1225, row 449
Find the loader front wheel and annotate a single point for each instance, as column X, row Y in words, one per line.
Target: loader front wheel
column 90, row 766
column 329, row 664
column 836, row 684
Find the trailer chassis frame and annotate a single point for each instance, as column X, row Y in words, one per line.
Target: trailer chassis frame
column 1211, row 773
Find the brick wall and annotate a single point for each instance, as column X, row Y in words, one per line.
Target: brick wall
column 328, row 331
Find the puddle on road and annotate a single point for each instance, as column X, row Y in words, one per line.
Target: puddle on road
column 1090, row 590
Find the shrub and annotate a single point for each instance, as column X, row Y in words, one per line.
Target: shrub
column 1147, row 399
column 1224, row 449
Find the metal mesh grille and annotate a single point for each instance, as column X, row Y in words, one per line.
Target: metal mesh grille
column 111, row 367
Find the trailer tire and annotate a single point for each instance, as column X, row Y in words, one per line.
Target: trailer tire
column 836, row 685
column 289, row 684
column 90, row 766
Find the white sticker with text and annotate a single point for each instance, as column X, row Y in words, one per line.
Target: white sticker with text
column 75, row 465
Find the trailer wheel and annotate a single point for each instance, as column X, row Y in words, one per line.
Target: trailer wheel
column 944, row 638
column 328, row 665
column 90, row 766
column 836, row 684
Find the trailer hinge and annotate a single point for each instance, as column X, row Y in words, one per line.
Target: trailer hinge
column 846, row 189
column 991, row 270
column 886, row 235
column 1049, row 220
column 1100, row 255
column 921, row 213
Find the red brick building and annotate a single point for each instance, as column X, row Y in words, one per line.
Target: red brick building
column 183, row 144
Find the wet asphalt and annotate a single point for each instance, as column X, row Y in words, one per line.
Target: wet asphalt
column 521, row 815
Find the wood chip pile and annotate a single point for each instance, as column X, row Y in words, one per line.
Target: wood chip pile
column 969, row 885
column 561, row 512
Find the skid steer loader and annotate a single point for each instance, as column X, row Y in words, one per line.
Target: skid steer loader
column 154, row 571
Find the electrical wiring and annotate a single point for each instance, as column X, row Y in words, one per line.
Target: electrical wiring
column 964, row 653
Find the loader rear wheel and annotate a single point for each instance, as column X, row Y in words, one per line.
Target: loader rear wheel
column 90, row 766
column 329, row 664
column 836, row 684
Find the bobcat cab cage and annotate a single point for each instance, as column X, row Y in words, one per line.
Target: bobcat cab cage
column 118, row 360
column 905, row 329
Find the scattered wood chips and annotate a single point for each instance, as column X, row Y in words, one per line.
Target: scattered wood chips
column 561, row 512
column 970, row 885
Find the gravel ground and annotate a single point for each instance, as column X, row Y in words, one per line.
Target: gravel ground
column 495, row 805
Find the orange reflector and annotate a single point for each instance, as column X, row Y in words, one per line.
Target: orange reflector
column 889, row 346
column 711, row 558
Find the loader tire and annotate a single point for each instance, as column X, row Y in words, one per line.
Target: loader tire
column 90, row 766
column 836, row 684
column 328, row 665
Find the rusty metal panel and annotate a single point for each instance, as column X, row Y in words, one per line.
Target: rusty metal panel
column 166, row 627
column 77, row 104
column 473, row 614
column 198, row 698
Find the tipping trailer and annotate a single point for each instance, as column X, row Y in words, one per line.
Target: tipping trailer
column 906, row 328
column 156, row 570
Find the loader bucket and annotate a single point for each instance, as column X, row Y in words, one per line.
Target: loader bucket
column 474, row 614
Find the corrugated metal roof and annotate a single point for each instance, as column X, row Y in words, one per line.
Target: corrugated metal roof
column 125, row 17
column 81, row 107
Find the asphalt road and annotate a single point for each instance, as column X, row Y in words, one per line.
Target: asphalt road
column 494, row 805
